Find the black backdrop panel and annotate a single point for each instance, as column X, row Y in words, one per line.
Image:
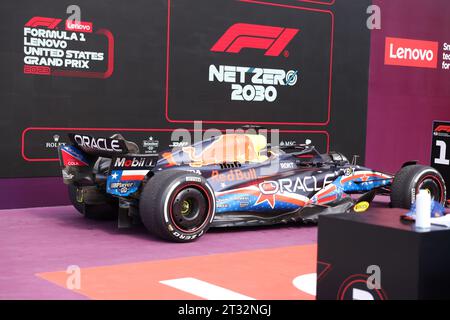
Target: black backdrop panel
column 139, row 86
column 308, row 56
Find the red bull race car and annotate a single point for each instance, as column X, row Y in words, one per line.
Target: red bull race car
column 235, row 179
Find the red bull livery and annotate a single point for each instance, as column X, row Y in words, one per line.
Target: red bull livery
column 235, row 179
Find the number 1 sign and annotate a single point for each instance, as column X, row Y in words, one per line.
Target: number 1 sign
column 440, row 150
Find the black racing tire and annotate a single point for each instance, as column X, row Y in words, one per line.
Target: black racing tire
column 108, row 210
column 410, row 179
column 177, row 205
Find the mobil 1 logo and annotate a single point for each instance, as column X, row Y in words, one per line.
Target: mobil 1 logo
column 130, row 162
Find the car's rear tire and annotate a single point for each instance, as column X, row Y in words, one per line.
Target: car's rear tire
column 410, row 179
column 177, row 206
column 104, row 209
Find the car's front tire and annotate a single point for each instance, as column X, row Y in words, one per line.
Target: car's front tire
column 177, row 206
column 410, row 179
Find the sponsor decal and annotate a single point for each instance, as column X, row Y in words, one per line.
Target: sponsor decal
column 287, row 165
column 288, row 187
column 411, row 53
column 121, row 184
column 73, row 52
column 124, row 182
column 128, row 175
column 243, row 35
column 193, row 179
column 151, row 146
column 100, row 144
column 186, row 237
column 178, row 144
column 70, row 156
column 122, row 187
column 69, row 160
column 134, row 162
column 361, row 207
column 234, row 175
column 55, row 143
column 300, row 184
column 288, row 143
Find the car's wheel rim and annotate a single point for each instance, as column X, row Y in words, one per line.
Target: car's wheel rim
column 433, row 185
column 189, row 209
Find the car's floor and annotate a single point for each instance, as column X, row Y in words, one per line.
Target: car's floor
column 37, row 246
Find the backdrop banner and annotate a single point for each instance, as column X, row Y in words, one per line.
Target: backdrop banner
column 146, row 68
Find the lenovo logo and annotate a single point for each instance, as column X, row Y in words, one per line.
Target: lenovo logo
column 411, row 53
column 243, row 35
column 80, row 26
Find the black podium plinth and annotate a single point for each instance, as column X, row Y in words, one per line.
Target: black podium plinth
column 413, row 264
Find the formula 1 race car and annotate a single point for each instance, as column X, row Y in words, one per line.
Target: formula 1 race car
column 235, row 179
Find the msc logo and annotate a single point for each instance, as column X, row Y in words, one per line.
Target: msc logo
column 243, row 35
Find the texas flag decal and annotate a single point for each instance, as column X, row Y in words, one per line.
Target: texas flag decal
column 128, row 175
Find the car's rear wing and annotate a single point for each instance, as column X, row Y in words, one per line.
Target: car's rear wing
column 78, row 158
column 100, row 147
column 121, row 169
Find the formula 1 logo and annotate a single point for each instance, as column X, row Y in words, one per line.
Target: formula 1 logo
column 254, row 83
column 442, row 128
column 243, row 35
column 49, row 23
column 52, row 23
column 69, row 51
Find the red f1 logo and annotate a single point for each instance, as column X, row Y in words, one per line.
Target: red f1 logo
column 442, row 128
column 50, row 23
column 243, row 35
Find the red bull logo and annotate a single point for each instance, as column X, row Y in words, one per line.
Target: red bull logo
column 234, row 175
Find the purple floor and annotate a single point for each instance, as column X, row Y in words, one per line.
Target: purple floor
column 50, row 239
